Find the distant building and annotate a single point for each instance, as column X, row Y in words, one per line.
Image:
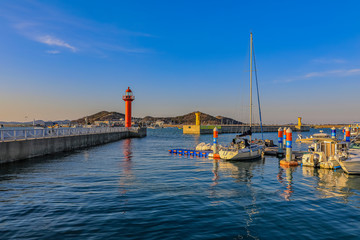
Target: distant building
column 110, row 123
column 49, row 124
column 159, row 123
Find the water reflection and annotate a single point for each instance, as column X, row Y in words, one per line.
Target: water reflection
column 127, row 149
column 196, row 139
column 126, row 163
column 86, row 155
column 215, row 172
column 286, row 181
column 126, row 175
column 213, row 186
column 243, row 172
column 332, row 183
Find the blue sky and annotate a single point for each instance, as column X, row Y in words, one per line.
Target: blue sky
column 68, row 59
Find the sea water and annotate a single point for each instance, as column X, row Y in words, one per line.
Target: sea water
column 135, row 189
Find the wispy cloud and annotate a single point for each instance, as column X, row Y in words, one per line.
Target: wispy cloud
column 118, row 48
column 328, row 60
column 48, row 25
column 24, row 25
column 53, row 41
column 338, row 73
column 320, row 74
column 53, row 51
column 136, row 34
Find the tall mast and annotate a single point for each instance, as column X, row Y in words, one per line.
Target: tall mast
column 251, row 40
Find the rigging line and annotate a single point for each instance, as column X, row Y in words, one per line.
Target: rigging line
column 257, row 88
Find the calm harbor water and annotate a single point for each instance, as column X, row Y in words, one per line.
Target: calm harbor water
column 135, row 189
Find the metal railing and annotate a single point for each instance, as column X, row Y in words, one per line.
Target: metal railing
column 34, row 133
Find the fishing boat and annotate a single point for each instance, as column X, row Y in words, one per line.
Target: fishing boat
column 242, row 148
column 321, row 136
column 325, row 154
column 351, row 164
column 354, row 131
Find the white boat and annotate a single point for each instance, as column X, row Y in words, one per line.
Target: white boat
column 351, row 165
column 321, row 136
column 325, row 154
column 351, row 162
column 241, row 148
column 354, row 132
column 203, row 147
column 247, row 153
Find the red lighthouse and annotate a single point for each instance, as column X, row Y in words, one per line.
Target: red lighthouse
column 128, row 98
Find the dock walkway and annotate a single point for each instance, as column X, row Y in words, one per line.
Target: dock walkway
column 273, row 151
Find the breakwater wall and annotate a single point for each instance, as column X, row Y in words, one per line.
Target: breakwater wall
column 204, row 129
column 14, row 150
column 257, row 129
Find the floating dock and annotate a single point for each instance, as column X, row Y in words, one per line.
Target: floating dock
column 273, row 151
column 190, row 152
column 269, row 151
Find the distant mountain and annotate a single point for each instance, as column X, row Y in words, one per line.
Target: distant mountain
column 100, row 116
column 186, row 119
column 189, row 119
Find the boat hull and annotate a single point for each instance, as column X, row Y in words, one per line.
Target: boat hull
column 242, row 154
column 352, row 164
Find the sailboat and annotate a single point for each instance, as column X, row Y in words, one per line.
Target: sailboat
column 241, row 148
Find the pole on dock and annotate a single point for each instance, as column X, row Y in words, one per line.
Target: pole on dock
column 284, row 138
column 288, row 162
column 333, row 133
column 347, row 135
column 215, row 136
column 215, row 146
column 280, row 140
column 288, row 144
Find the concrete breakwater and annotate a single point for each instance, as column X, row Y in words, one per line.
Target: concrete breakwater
column 14, row 150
